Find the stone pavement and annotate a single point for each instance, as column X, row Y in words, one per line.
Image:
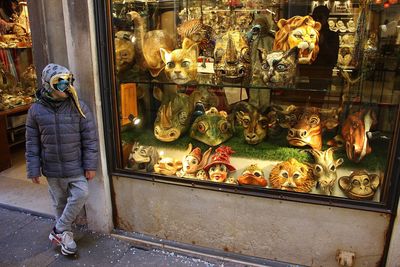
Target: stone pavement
column 24, row 242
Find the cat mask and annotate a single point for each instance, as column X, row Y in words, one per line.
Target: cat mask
column 181, row 64
column 278, row 68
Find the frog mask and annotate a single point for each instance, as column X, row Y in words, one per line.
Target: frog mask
column 212, row 128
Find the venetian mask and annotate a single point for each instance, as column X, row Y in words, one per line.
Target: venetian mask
column 306, row 124
column 173, row 117
column 220, row 167
column 345, row 56
column 197, row 32
column 355, row 131
column 212, row 128
column 124, row 53
column 232, row 57
column 153, row 42
column 168, row 166
column 181, row 64
column 255, row 122
column 142, row 157
column 7, row 80
column 359, row 185
column 292, row 175
column 278, row 68
column 150, row 43
column 193, row 161
column 29, row 79
column 324, row 169
column 301, row 32
column 218, row 173
column 202, row 175
column 253, row 175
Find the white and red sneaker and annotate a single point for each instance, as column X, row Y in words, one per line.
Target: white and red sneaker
column 65, row 240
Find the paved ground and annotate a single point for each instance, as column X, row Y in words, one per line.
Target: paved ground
column 24, row 242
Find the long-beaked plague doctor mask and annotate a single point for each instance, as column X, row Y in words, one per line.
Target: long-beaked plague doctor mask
column 63, row 82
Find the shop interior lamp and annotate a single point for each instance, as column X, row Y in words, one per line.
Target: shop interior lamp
column 134, row 120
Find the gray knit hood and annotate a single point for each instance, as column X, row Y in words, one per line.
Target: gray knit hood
column 49, row 71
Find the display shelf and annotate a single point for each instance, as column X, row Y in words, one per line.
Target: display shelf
column 340, row 14
column 155, row 82
column 275, row 148
column 5, row 144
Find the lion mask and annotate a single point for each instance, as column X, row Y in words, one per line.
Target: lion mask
column 302, row 32
column 292, row 175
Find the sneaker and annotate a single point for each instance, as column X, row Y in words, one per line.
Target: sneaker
column 65, row 240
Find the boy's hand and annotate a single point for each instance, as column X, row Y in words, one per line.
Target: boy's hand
column 36, row 180
column 90, row 174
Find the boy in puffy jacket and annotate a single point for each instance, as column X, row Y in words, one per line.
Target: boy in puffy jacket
column 61, row 144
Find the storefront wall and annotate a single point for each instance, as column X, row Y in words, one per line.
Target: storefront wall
column 287, row 231
column 394, row 249
column 63, row 32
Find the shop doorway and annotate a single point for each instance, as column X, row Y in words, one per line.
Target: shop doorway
column 18, row 82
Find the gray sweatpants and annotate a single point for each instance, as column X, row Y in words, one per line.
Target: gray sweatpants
column 69, row 195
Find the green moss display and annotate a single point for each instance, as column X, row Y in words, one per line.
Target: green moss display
column 275, row 148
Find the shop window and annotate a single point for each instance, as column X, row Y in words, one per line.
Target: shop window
column 18, row 76
column 281, row 99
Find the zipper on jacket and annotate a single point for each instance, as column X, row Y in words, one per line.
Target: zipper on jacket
column 59, row 144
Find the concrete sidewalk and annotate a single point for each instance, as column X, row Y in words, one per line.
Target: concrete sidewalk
column 24, row 242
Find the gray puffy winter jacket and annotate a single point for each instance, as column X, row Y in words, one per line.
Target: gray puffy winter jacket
column 59, row 142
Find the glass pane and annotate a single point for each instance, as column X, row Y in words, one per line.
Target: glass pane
column 297, row 96
column 17, row 73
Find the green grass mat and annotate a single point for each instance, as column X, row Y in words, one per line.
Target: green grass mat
column 274, row 148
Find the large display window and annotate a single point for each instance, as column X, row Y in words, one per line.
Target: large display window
column 288, row 99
